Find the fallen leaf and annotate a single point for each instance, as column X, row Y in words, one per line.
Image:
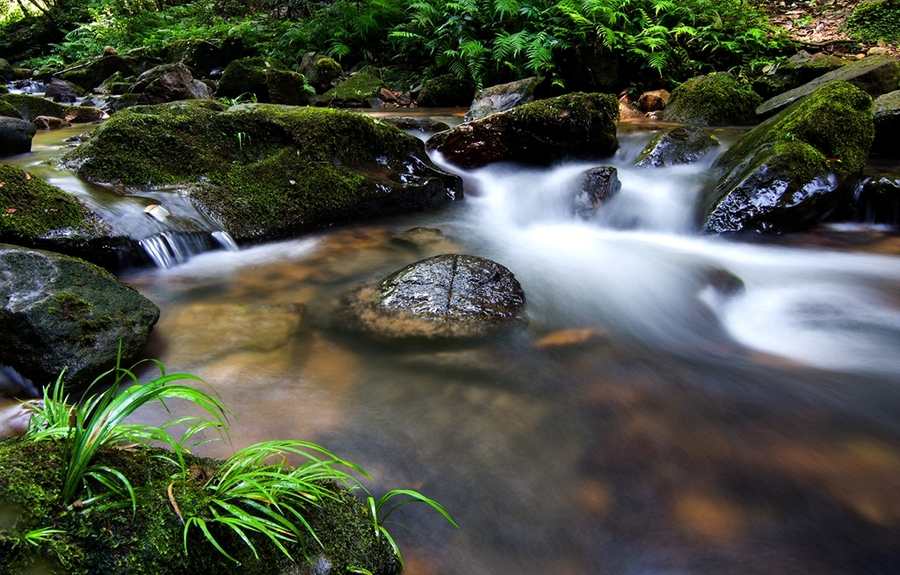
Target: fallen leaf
column 11, row 210
column 27, row 176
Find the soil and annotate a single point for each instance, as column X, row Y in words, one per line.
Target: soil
column 817, row 26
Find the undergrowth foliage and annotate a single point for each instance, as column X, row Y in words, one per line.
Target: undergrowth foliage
column 481, row 40
column 254, row 492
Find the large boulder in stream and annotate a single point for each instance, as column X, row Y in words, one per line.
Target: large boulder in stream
column 265, row 80
column 266, row 171
column 62, row 313
column 577, row 126
column 169, row 83
column 506, row 97
column 683, row 145
column 712, row 100
column 874, row 75
column 793, row 169
column 35, row 214
column 15, row 136
column 443, row 297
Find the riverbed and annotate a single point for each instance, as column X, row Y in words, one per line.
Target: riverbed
column 676, row 404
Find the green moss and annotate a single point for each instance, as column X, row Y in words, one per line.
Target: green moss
column 31, row 209
column 248, row 76
column 713, row 100
column 355, row 92
column 7, row 109
column 447, row 91
column 107, row 537
column 327, row 69
column 875, row 20
column 30, row 107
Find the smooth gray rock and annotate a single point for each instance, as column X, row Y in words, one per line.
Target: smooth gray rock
column 875, row 75
column 504, row 97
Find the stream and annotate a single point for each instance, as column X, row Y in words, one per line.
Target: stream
column 647, row 420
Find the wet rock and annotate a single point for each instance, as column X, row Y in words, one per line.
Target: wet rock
column 506, row 97
column 36, row 214
column 49, row 123
column 91, row 73
column 683, row 145
column 443, row 297
column 446, row 91
column 62, row 313
column 653, row 100
column 117, row 84
column 875, row 75
column 876, row 200
column 887, row 124
column 573, row 126
column 713, row 100
column 61, row 91
column 358, row 91
column 321, row 71
column 266, row 171
column 169, row 83
column 7, row 111
column 598, row 184
column 30, row 107
column 793, row 169
column 83, row 114
column 416, row 123
column 419, row 237
column 796, row 71
column 15, row 136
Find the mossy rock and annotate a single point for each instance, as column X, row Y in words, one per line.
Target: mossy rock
column 795, row 72
column 203, row 56
column 8, row 110
column 248, row 76
column 110, row 538
column 792, row 170
column 875, row 20
column 579, row 126
column 320, row 71
column 683, row 145
column 358, row 91
column 287, row 87
column 3, row 89
column 30, row 107
column 117, row 84
column 446, row 91
column 92, row 72
column 6, row 70
column 266, row 171
column 62, row 314
column 713, row 100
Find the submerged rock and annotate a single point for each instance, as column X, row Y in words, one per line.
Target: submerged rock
column 265, row 171
column 793, row 169
column 712, row 100
column 577, row 125
column 683, row 145
column 874, row 75
column 62, row 313
column 442, row 297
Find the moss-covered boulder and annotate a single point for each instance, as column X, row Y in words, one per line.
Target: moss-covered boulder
column 265, row 171
column 320, row 71
column 62, row 313
column 266, row 79
column 874, row 75
column 793, row 169
column 443, row 297
column 572, row 126
column 446, row 91
column 30, row 107
column 713, row 100
column 8, row 111
column 169, row 83
column 92, row 72
column 683, row 145
column 15, row 136
column 36, row 214
column 205, row 56
column 358, row 91
column 887, row 124
column 109, row 537
column 6, row 71
column 506, row 96
column 794, row 72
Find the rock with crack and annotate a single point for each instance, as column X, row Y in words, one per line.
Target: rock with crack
column 443, row 297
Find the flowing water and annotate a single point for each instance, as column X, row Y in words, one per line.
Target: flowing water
column 677, row 404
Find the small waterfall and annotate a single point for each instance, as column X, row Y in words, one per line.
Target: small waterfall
column 168, row 249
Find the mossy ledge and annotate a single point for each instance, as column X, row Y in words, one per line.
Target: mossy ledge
column 109, row 538
column 266, row 171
